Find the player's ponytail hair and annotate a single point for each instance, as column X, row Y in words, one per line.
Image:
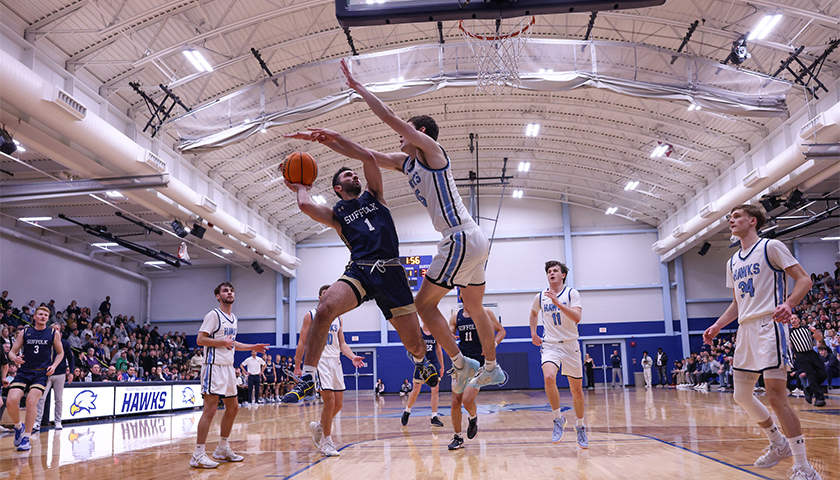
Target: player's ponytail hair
column 755, row 212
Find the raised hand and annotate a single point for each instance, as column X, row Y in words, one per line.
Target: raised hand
column 351, row 80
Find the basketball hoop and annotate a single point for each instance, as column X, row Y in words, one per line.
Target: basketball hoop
column 497, row 54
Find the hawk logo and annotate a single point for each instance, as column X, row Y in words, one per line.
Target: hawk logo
column 189, row 396
column 84, row 401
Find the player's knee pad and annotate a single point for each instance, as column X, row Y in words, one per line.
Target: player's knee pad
column 744, row 383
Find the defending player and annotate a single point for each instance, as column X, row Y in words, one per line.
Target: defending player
column 463, row 251
column 364, row 222
column 463, row 326
column 330, row 377
column 217, row 335
column 756, row 274
column 35, row 364
column 560, row 309
column 434, row 354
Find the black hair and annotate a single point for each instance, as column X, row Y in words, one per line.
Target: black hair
column 335, row 181
column 420, row 121
column 321, row 290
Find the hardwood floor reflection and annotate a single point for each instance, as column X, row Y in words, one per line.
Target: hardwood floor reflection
column 633, row 433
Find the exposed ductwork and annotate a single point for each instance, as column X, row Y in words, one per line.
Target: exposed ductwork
column 823, row 128
column 24, row 90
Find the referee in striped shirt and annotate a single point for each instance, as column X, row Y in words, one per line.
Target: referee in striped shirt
column 807, row 360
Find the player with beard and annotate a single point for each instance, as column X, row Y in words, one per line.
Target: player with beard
column 217, row 335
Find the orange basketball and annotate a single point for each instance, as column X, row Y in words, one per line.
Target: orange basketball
column 300, row 167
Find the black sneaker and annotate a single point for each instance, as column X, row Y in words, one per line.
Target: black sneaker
column 427, row 372
column 436, row 422
column 457, row 442
column 809, row 397
column 472, row 429
column 404, row 418
column 819, row 402
column 304, row 388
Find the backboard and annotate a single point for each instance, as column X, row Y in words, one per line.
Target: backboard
column 353, row 13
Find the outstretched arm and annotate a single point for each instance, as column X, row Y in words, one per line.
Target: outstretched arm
column 431, row 151
column 344, row 146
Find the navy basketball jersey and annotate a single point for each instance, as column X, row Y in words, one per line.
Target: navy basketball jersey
column 469, row 343
column 37, row 348
column 367, row 228
column 431, row 350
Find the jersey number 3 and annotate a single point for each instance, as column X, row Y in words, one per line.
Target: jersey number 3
column 747, row 287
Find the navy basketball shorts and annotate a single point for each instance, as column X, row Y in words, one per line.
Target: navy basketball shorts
column 475, row 356
column 389, row 288
column 434, row 362
column 26, row 380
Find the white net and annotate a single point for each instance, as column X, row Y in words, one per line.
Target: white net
column 496, row 46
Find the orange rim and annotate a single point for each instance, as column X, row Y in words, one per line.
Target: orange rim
column 497, row 37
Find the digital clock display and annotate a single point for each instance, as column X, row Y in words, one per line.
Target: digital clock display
column 415, row 269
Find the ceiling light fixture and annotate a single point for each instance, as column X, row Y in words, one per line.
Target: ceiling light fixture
column 319, row 199
column 34, row 219
column 114, row 194
column 155, row 263
column 611, row 210
column 693, row 107
column 517, row 194
column 660, row 150
column 105, row 245
column 830, row 238
column 19, row 146
column 631, row 185
column 765, row 26
column 524, row 166
column 532, row 130
column 198, row 61
column 226, row 251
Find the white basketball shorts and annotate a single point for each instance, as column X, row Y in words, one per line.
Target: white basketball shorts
column 330, row 375
column 462, row 254
column 565, row 355
column 218, row 380
column 761, row 344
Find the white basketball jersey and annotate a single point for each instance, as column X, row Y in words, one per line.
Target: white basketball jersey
column 435, row 190
column 333, row 347
column 758, row 278
column 217, row 324
column 558, row 327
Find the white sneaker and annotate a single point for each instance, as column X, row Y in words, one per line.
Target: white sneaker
column 798, row 392
column 317, row 433
column 773, row 455
column 58, row 426
column 226, row 453
column 328, row 448
column 202, row 461
column 807, row 472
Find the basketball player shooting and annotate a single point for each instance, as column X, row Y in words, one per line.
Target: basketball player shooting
column 463, row 251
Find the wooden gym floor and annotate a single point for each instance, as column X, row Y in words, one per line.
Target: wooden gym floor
column 633, row 433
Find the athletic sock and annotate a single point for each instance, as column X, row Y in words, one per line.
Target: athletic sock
column 328, row 438
column 458, row 361
column 418, row 359
column 797, row 447
column 579, row 422
column 473, row 417
column 19, row 425
column 557, row 414
column 434, row 414
column 408, row 409
column 309, row 369
column 223, row 442
column 489, row 365
column 199, row 450
column 774, row 434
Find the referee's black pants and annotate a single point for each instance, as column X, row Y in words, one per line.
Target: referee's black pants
column 253, row 388
column 811, row 363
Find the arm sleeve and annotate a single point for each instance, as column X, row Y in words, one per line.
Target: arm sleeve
column 779, row 255
column 210, row 323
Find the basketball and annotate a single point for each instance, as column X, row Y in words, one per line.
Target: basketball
column 300, row 167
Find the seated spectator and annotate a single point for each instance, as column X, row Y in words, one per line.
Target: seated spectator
column 25, row 317
column 405, row 388
column 379, row 388
column 131, row 376
column 74, row 340
column 4, row 336
column 832, row 365
column 154, row 376
column 111, row 376
column 95, row 374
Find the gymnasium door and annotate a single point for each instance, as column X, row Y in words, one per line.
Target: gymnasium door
column 601, row 351
column 361, row 379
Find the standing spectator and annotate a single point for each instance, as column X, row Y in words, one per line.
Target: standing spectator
column 615, row 359
column 661, row 364
column 647, row 364
column 55, row 382
column 105, row 307
column 73, row 309
column 589, row 366
column 255, row 367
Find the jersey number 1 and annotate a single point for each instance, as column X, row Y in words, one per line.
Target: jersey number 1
column 370, row 227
